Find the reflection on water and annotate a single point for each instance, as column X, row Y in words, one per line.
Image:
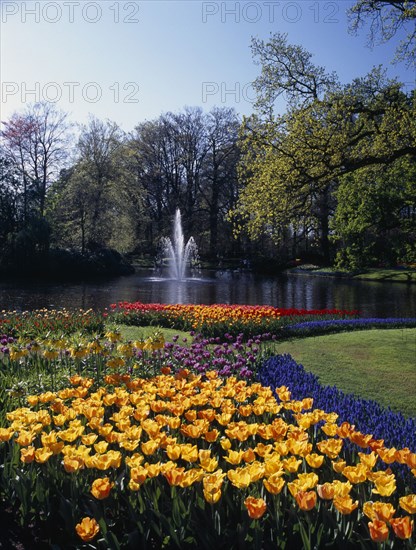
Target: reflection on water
column 301, row 291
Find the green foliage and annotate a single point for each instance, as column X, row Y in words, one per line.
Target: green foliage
column 293, row 164
column 375, row 218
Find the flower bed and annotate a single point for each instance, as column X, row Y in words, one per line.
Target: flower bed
column 50, row 321
column 175, row 445
column 218, row 319
column 184, row 461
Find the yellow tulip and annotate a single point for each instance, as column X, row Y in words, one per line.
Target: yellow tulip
column 189, row 453
column 385, row 485
column 291, row 464
column 355, row 474
column 274, row 483
column 345, row 504
column 42, row 455
column 314, row 460
column 240, row 478
column 150, row 447
column 369, row 460
column 101, row 488
column 330, row 447
column 234, row 457
column 87, row 529
column 408, row 503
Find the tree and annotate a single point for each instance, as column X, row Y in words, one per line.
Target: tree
column 292, row 163
column 36, row 142
column 387, row 18
column 94, row 203
column 188, row 160
column 375, row 218
column 220, row 184
column 287, row 71
column 10, row 207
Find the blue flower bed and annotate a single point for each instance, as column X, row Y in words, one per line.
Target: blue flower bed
column 334, row 325
column 368, row 416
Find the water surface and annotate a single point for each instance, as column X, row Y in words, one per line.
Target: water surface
column 380, row 299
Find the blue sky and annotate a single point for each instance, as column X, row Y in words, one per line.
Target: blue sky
column 130, row 61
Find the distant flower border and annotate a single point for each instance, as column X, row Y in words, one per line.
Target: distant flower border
column 335, row 325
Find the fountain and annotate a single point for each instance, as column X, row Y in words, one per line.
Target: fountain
column 176, row 255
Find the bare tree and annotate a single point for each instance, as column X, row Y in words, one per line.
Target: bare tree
column 36, row 142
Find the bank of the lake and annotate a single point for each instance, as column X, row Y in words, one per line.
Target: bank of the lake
column 398, row 275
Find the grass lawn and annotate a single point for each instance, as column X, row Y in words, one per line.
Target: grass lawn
column 373, row 364
column 394, row 275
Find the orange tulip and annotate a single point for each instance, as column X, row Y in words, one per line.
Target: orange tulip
column 87, row 529
column 27, row 454
column 402, row 527
column 326, row 491
column 411, row 460
column 382, row 511
column 174, row 476
column 249, row 455
column 138, row 474
column 388, row 456
column 362, row 440
column 306, row 500
column 101, row 488
column 256, row 507
column 379, row 532
column 345, row 430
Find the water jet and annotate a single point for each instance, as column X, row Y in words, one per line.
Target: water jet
column 179, row 258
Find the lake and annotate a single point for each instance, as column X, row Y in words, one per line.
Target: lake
column 379, row 299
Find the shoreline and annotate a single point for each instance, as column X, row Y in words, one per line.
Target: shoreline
column 407, row 276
